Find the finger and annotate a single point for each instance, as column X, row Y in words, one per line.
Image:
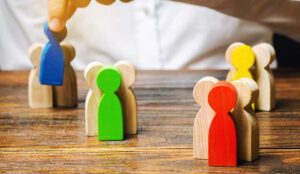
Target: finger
column 80, row 3
column 71, row 9
column 106, row 2
column 74, row 4
column 57, row 14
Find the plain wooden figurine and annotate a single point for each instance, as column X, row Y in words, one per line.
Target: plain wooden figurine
column 245, row 119
column 203, row 118
column 39, row 96
column 127, row 97
column 66, row 95
column 242, row 59
column 92, row 99
column 110, row 116
column 265, row 55
column 222, row 149
column 52, row 61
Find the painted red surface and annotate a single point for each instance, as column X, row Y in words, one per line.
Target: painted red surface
column 222, row 148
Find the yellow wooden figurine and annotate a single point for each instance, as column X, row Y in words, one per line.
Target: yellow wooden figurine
column 243, row 59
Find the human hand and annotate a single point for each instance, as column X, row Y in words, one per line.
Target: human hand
column 59, row 11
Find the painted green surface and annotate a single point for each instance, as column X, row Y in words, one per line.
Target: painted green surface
column 110, row 116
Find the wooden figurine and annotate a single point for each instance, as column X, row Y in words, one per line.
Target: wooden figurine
column 52, row 61
column 228, row 56
column 242, row 59
column 203, row 118
column 39, row 96
column 110, row 117
column 245, row 119
column 222, row 149
column 127, row 96
column 92, row 99
column 265, row 55
column 66, row 95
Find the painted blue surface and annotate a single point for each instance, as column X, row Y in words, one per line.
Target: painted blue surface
column 52, row 61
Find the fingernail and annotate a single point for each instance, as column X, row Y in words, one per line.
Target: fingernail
column 56, row 25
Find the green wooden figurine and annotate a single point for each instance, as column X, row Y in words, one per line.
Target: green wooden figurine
column 110, row 116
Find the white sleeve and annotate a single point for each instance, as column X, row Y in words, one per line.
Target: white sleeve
column 282, row 16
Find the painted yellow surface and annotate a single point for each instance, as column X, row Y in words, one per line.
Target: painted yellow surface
column 243, row 58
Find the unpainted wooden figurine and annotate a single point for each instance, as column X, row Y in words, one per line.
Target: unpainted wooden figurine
column 127, row 96
column 203, row 118
column 222, row 149
column 245, row 119
column 66, row 95
column 92, row 99
column 39, row 96
column 265, row 55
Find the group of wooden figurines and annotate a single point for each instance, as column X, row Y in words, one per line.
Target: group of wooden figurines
column 226, row 128
column 53, row 83
column 110, row 107
column 110, row 110
column 48, row 96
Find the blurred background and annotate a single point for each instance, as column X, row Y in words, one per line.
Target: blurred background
column 152, row 34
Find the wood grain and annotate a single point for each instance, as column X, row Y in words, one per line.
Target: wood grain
column 54, row 140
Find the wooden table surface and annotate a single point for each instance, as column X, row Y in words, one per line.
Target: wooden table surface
column 46, row 140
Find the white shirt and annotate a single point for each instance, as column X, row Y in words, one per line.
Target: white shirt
column 152, row 34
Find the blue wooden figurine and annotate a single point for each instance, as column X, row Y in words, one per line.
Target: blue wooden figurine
column 52, row 60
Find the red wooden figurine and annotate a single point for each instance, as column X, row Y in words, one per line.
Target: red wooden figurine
column 222, row 147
